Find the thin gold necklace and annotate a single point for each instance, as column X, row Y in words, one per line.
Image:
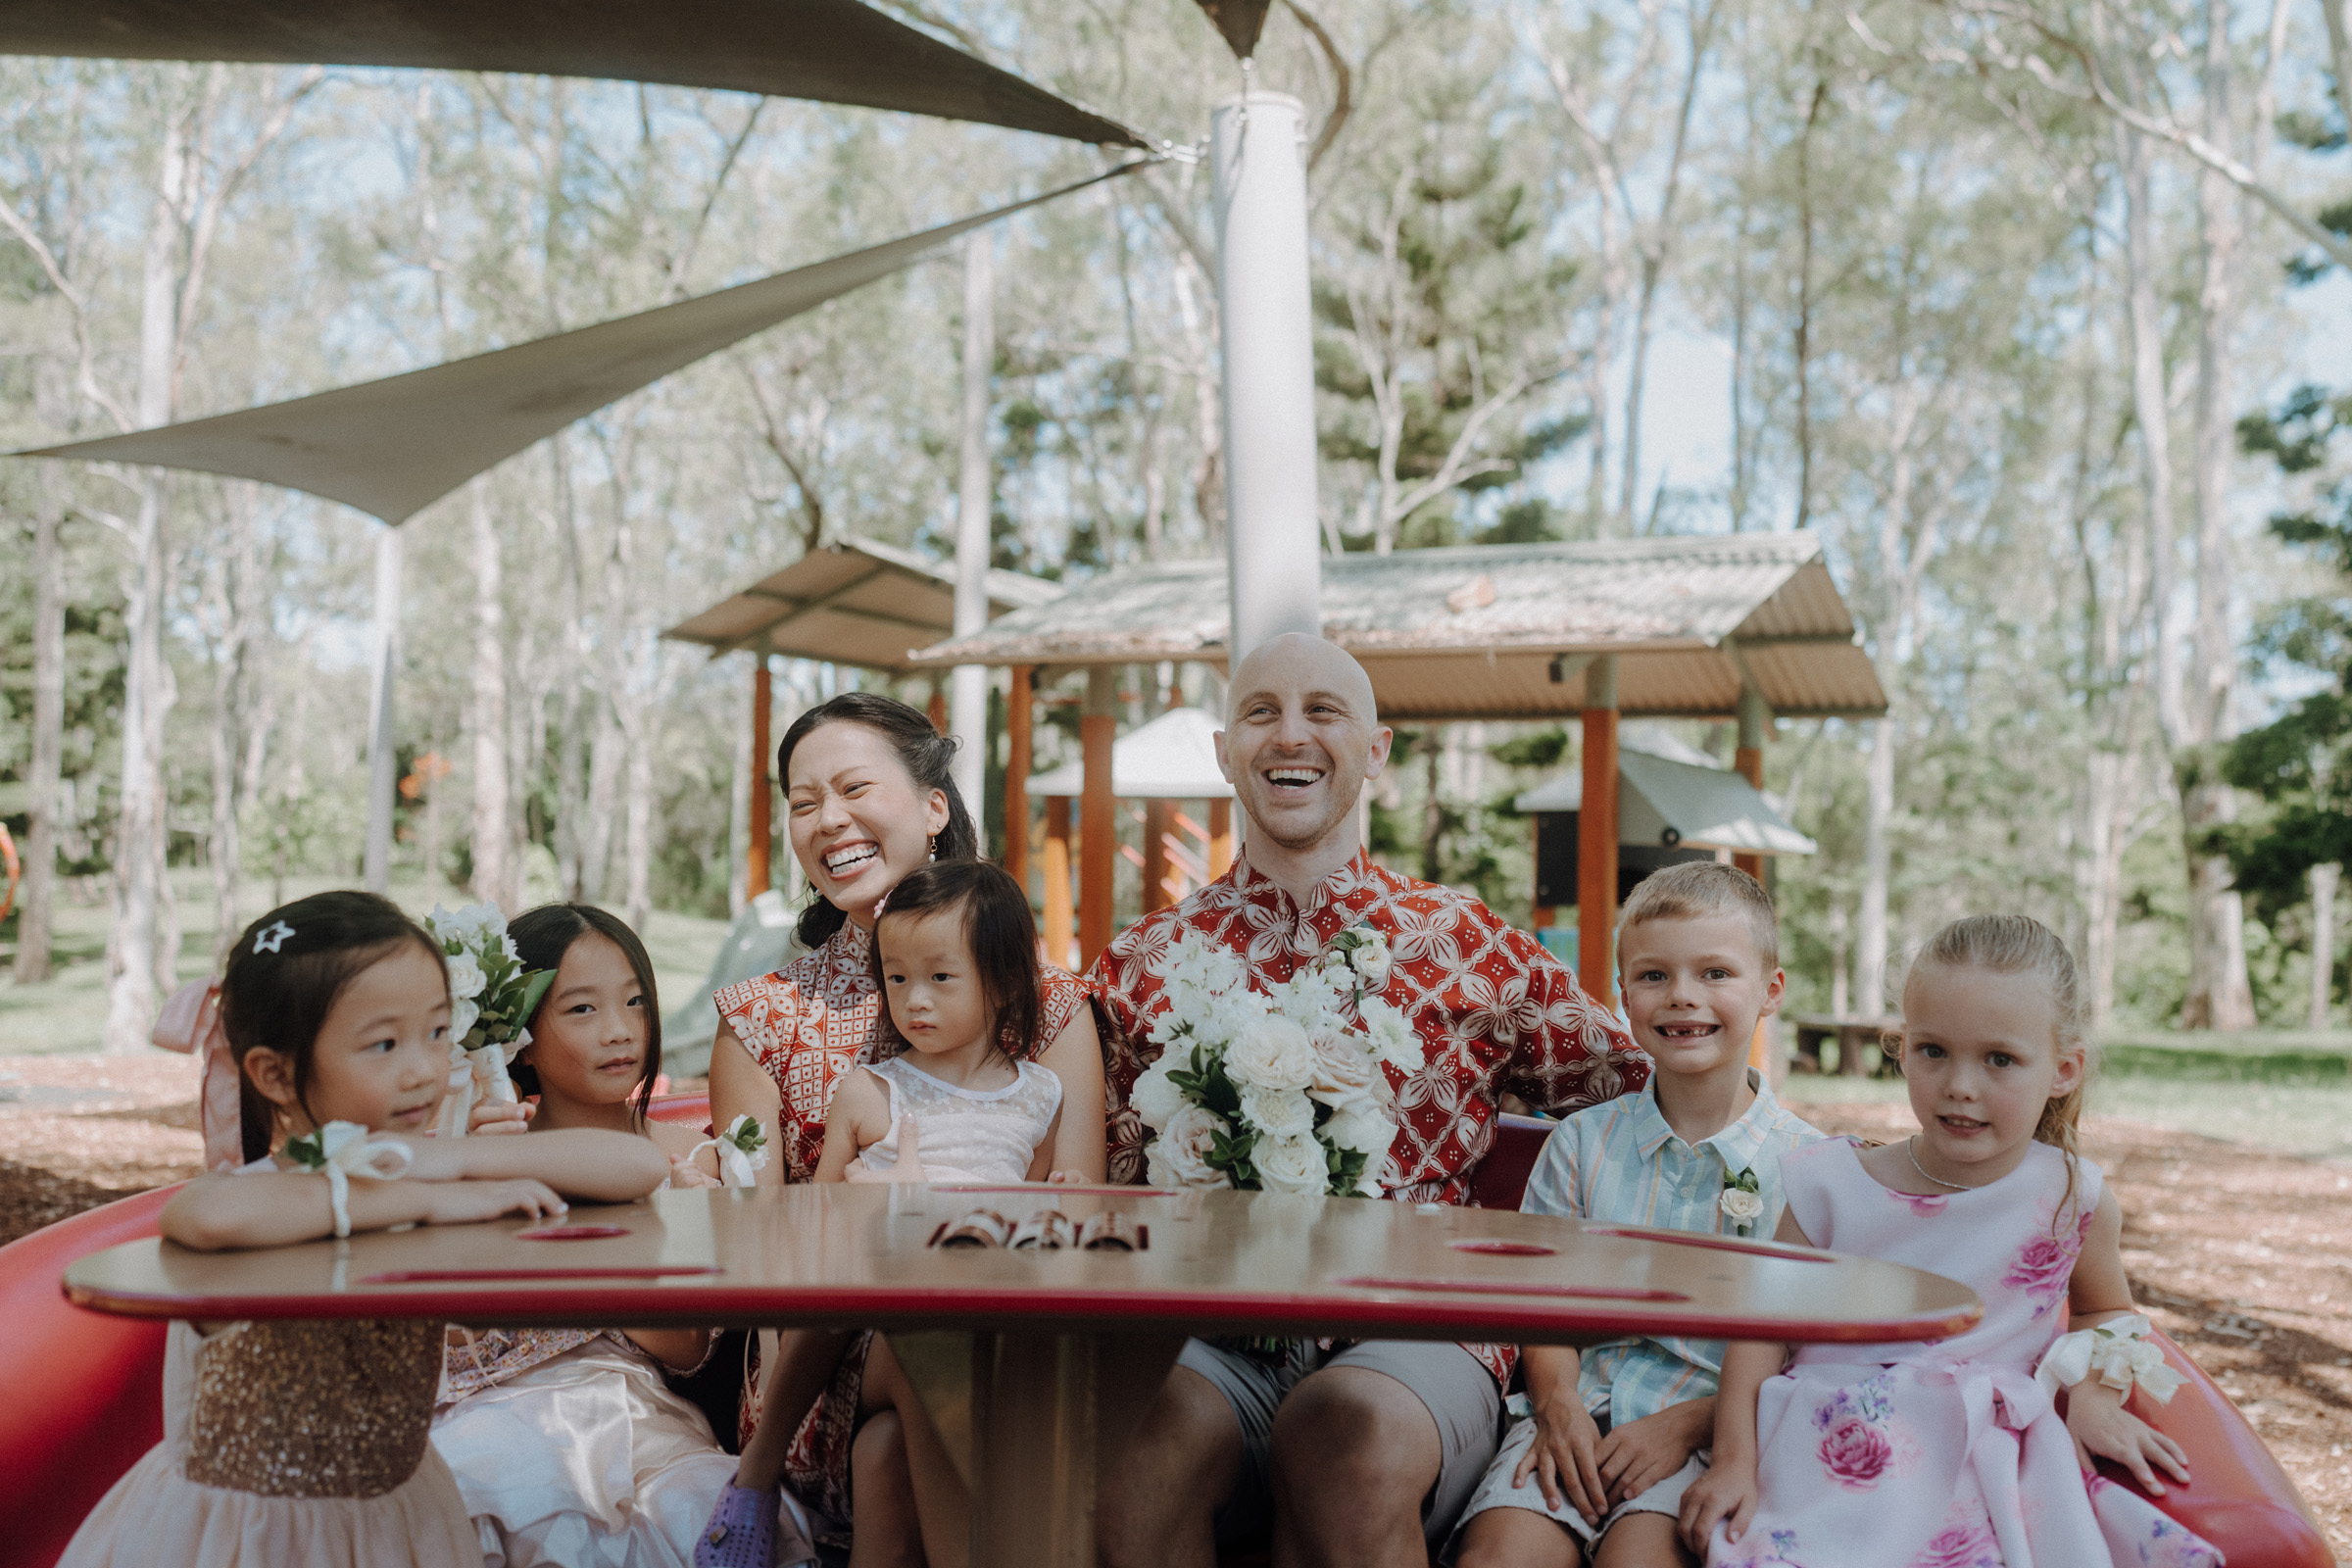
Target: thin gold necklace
column 1958, row 1186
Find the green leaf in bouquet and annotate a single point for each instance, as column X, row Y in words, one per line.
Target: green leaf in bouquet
column 534, row 989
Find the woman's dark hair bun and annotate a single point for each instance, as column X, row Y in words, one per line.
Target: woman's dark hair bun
column 929, row 759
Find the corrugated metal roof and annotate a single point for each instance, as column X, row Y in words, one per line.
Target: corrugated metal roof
column 859, row 601
column 1706, row 808
column 1495, row 631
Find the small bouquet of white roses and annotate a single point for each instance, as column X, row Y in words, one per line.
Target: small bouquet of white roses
column 1278, row 1088
column 491, row 998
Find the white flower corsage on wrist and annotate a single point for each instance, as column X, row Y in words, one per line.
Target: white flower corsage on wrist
column 741, row 1151
column 2117, row 1353
column 1742, row 1199
column 341, row 1151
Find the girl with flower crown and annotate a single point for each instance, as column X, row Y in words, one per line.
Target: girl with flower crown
column 870, row 799
column 570, row 1446
column 1952, row 1454
column 306, row 1442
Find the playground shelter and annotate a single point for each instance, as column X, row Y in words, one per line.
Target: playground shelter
column 1747, row 628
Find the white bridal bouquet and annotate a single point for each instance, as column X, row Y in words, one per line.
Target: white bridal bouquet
column 1280, row 1089
column 491, row 997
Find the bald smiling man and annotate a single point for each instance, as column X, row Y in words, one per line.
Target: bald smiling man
column 1360, row 1457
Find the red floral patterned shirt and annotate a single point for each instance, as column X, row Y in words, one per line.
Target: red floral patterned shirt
column 1495, row 1013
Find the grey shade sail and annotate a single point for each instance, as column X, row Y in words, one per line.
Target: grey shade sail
column 832, row 51
column 1240, row 22
column 391, row 448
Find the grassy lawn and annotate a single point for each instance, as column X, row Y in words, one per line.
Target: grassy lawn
column 64, row 1012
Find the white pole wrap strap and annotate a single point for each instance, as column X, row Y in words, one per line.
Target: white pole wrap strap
column 2117, row 1353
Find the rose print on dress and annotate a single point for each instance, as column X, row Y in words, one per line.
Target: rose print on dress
column 2046, row 1263
column 1856, row 1453
column 1966, row 1540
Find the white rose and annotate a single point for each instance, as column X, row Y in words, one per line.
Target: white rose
column 1277, row 1112
column 1742, row 1206
column 462, row 1017
column 466, row 978
column 1341, row 1069
column 1154, row 1098
column 1362, row 1126
column 1179, row 1155
column 1371, row 962
column 1273, row 1053
column 1292, row 1164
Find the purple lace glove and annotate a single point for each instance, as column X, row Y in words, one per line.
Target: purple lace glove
column 742, row 1531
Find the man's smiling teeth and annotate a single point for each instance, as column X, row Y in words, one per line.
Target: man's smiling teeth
column 844, row 860
column 1293, row 775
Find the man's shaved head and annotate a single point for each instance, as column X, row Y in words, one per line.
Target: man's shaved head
column 1302, row 735
column 1299, row 662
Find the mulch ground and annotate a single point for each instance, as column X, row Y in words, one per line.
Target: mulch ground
column 2240, row 1256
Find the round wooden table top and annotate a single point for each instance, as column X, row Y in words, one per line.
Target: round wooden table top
column 1212, row 1263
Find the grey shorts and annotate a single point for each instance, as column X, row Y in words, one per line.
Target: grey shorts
column 1495, row 1490
column 1454, row 1386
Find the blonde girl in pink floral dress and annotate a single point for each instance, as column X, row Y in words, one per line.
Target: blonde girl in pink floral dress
column 870, row 798
column 1952, row 1454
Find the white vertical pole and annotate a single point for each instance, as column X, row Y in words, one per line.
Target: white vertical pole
column 1272, row 536
column 381, row 764
column 967, row 710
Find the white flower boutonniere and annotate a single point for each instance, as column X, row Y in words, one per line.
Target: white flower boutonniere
column 1742, row 1199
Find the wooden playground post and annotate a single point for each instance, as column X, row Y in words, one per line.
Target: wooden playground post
column 1155, row 856
column 754, row 859
column 1097, row 836
column 1596, row 837
column 1017, row 776
column 1057, row 878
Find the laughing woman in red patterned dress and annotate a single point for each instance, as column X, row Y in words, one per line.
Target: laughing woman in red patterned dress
column 870, row 799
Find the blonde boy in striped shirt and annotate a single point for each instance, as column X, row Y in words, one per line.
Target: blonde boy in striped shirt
column 1598, row 1468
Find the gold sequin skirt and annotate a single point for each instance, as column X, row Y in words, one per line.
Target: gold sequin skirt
column 156, row 1515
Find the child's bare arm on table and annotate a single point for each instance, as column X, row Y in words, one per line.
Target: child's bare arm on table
column 213, row 1213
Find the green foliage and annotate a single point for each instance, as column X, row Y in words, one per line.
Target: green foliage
column 2300, row 764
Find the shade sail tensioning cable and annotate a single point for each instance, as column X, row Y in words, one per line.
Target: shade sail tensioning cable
column 393, row 447
column 831, row 51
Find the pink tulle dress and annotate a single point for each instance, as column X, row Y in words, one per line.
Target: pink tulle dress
column 1949, row 1455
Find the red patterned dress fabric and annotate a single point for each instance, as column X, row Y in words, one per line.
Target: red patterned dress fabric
column 1496, row 1014
column 808, row 1024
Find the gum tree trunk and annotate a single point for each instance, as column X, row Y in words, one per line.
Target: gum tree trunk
column 48, row 744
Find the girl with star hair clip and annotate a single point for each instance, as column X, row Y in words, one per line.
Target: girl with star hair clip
column 306, row 1442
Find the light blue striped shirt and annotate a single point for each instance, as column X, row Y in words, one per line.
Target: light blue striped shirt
column 1620, row 1163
